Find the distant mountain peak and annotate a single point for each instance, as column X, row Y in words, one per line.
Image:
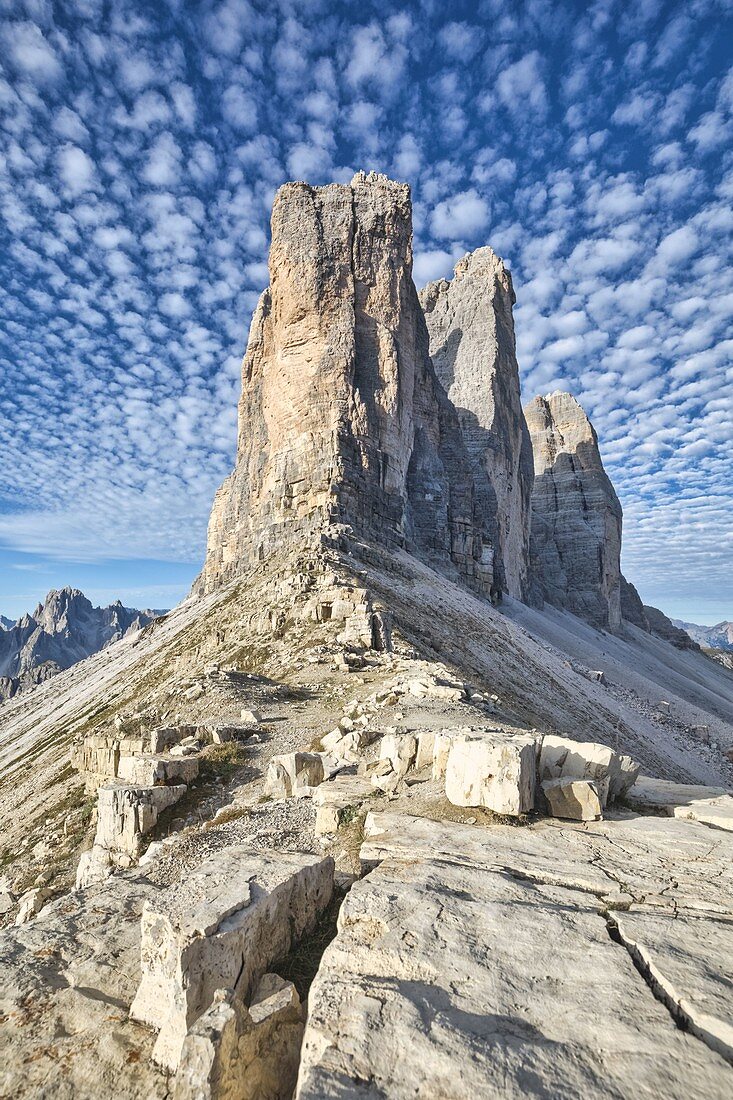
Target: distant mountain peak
column 62, row 630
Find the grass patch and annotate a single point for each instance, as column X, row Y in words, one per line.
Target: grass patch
column 222, row 760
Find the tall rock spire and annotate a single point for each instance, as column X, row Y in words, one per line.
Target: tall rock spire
column 472, row 346
column 341, row 419
column 576, row 515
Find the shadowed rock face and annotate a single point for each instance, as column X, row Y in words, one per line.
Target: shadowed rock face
column 472, row 346
column 342, row 420
column 576, row 515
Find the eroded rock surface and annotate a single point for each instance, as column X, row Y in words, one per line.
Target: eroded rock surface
column 576, row 515
column 472, row 345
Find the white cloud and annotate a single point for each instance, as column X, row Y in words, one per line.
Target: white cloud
column 30, row 52
column 521, row 85
column 76, row 169
column 460, row 217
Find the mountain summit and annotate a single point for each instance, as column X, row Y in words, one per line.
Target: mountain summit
column 62, row 630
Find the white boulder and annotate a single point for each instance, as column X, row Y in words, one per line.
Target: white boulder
column 491, row 771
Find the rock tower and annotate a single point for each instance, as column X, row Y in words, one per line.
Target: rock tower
column 576, row 515
column 342, row 420
column 473, row 349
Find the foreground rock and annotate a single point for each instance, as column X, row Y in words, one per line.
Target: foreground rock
column 576, row 515
column 498, row 773
column 237, row 914
column 66, row 983
column 472, row 346
column 248, row 1053
column 449, row 979
column 574, row 799
column 711, row 805
column 612, row 773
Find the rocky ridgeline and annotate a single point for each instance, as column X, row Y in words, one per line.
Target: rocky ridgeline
column 62, row 630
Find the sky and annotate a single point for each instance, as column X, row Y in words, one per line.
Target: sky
column 140, row 148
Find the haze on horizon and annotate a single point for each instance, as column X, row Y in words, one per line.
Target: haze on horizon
column 590, row 145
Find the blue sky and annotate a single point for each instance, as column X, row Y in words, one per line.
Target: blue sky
column 140, row 148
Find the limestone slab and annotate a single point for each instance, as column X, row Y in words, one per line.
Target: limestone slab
column 689, row 959
column 710, row 805
column 234, row 916
column 447, row 982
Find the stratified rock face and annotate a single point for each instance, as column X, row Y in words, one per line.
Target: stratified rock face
column 576, row 515
column 342, row 420
column 64, row 629
column 472, row 346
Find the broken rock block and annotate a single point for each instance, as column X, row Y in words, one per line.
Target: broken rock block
column 574, row 799
column 163, row 738
column 425, row 749
column 31, row 904
column 400, row 750
column 155, row 771
column 238, row 912
column 126, row 814
column 333, row 798
column 496, row 773
column 612, row 773
column 710, row 805
column 293, row 773
column 248, row 1053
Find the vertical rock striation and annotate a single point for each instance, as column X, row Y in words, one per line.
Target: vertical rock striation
column 341, row 419
column 576, row 515
column 472, row 345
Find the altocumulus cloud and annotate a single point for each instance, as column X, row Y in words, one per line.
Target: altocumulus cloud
column 589, row 144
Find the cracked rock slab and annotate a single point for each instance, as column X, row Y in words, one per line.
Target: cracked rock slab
column 688, row 960
column 448, row 980
column 710, row 805
column 641, row 860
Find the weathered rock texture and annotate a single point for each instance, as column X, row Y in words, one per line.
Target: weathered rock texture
column 240, row 912
column 342, row 419
column 479, row 965
column 471, row 328
column 576, row 515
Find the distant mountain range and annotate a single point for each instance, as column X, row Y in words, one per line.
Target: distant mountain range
column 62, row 630
column 719, row 636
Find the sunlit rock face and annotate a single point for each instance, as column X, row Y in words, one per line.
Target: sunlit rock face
column 342, row 419
column 472, row 345
column 576, row 515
